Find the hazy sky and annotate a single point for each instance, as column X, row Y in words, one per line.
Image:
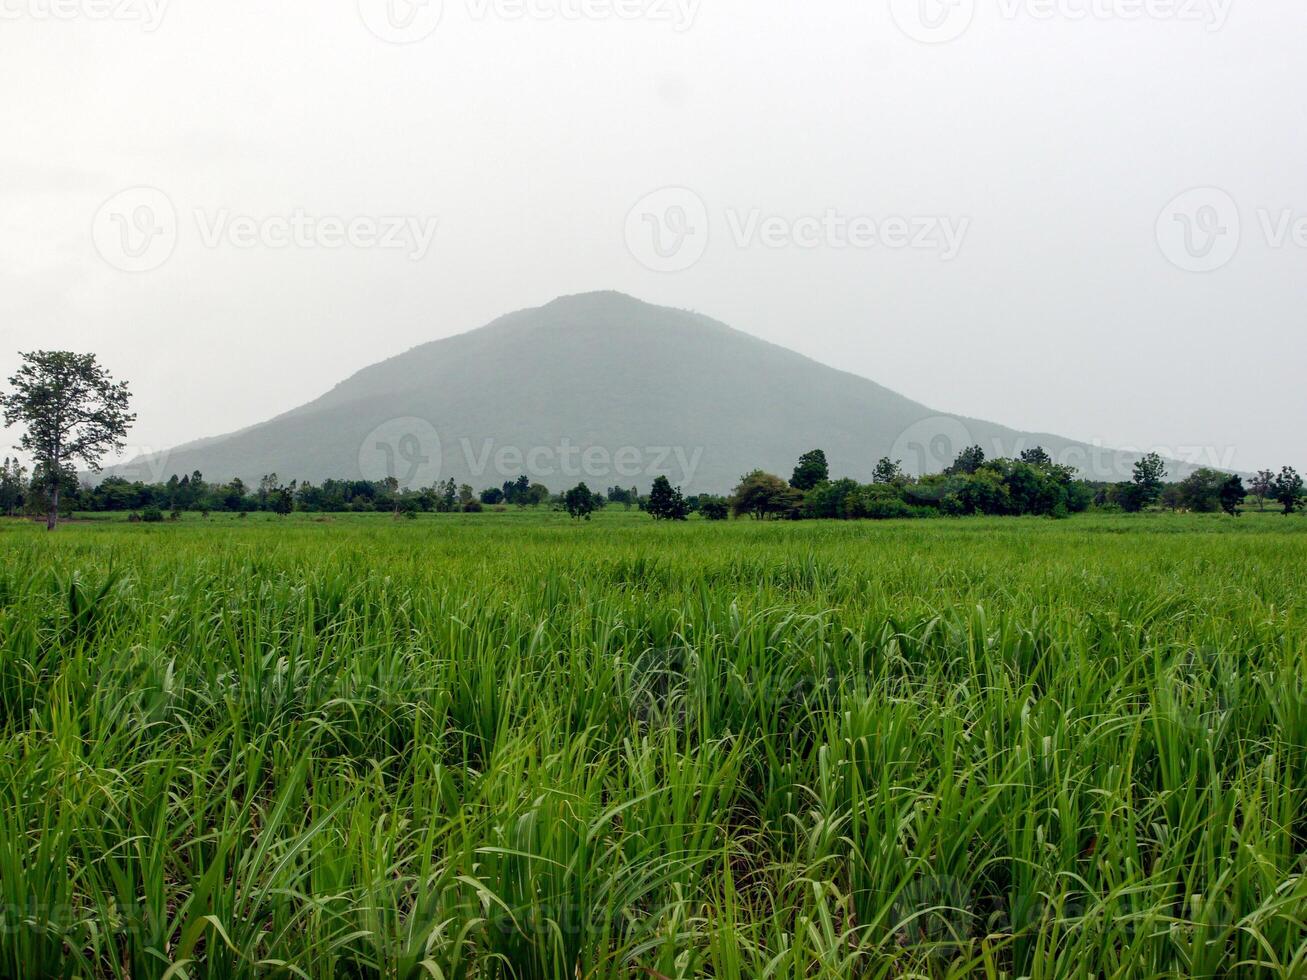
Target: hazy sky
column 1079, row 216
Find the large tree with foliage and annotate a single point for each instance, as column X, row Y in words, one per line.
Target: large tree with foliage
column 763, row 495
column 888, row 471
column 666, row 502
column 580, row 502
column 71, row 411
column 1200, row 491
column 812, row 470
column 1232, row 494
column 1287, row 490
column 1149, row 477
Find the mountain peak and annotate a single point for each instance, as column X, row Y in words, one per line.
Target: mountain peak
column 602, row 304
column 606, row 388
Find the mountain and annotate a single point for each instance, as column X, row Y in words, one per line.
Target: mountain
column 604, row 388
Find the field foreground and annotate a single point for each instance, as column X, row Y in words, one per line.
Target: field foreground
column 524, row 748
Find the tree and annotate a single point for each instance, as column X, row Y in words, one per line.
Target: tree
column 1232, row 494
column 580, row 502
column 515, row 491
column 1127, row 496
column 233, row 498
column 982, row 492
column 887, row 471
column 1287, row 490
column 1036, row 457
column 1172, row 496
column 72, row 410
column 446, row 496
column 837, row 500
column 12, row 477
column 1200, row 491
column 283, row 499
column 967, row 462
column 1262, row 486
column 267, row 486
column 666, row 502
column 1149, row 473
column 812, row 470
column 493, row 495
column 762, row 495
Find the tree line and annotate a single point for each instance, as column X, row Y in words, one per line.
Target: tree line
column 1029, row 484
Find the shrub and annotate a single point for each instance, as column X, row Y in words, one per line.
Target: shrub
column 891, row 508
column 714, row 509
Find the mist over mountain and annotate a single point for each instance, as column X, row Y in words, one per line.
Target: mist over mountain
column 607, row 389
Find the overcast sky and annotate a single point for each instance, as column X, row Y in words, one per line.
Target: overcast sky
column 1080, row 216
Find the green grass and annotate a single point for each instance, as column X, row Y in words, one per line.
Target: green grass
column 512, row 746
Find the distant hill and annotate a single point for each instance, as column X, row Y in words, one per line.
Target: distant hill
column 603, row 388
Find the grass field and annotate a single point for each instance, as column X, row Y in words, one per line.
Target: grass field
column 513, row 746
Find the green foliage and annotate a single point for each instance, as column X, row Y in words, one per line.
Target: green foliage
column 580, row 502
column 1129, row 497
column 888, row 471
column 714, row 508
column 1201, row 490
column 457, row 748
column 1288, row 490
column 980, row 492
column 70, row 410
column 666, row 503
column 968, row 461
column 1262, row 487
column 833, row 501
column 13, row 476
column 1149, row 473
column 811, row 470
column 763, row 495
column 1232, row 495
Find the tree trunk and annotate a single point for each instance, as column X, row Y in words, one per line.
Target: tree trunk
column 52, row 518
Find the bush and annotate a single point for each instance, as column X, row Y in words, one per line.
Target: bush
column 152, row 515
column 472, row 507
column 892, row 508
column 714, row 509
